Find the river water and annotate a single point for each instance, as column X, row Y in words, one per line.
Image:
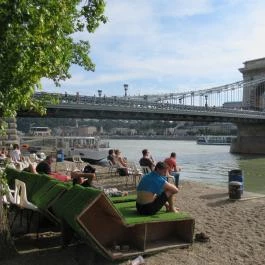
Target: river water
column 204, row 163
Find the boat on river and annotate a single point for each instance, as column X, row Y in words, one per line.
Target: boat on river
column 89, row 148
column 215, row 139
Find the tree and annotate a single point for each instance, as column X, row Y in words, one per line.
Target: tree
column 37, row 41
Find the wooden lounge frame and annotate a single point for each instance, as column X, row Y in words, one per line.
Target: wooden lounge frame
column 119, row 239
column 111, row 226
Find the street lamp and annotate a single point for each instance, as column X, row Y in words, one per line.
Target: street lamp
column 192, row 98
column 206, row 97
column 125, row 89
column 99, row 93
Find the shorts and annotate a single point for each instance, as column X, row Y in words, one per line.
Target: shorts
column 153, row 207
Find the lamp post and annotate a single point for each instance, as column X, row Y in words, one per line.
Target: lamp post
column 99, row 93
column 192, row 98
column 30, row 126
column 125, row 89
column 206, row 98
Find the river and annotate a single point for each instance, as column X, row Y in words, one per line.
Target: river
column 204, row 163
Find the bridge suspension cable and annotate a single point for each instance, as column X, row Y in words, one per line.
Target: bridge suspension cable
column 229, row 95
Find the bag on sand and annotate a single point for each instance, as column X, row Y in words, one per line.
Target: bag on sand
column 89, row 169
column 123, row 171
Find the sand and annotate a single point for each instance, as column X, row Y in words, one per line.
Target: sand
column 236, row 230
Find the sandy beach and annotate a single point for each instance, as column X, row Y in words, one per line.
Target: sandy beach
column 236, row 230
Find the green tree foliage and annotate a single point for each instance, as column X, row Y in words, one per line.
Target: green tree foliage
column 37, row 40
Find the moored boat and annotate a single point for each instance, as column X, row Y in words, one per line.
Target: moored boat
column 89, row 148
column 215, row 139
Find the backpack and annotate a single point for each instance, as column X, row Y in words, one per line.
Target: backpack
column 89, row 169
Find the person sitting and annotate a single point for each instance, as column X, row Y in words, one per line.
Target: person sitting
column 111, row 157
column 3, row 154
column 15, row 154
column 31, row 168
column 173, row 168
column 121, row 162
column 44, row 167
column 154, row 192
column 146, row 160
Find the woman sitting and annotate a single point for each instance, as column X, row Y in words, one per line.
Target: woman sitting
column 121, row 162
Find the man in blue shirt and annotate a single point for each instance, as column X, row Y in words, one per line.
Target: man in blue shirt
column 154, row 192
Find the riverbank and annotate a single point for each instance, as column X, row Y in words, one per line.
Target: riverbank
column 236, row 230
column 150, row 137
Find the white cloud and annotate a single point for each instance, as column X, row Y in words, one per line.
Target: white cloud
column 160, row 45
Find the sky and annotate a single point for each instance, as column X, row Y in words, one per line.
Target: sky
column 169, row 46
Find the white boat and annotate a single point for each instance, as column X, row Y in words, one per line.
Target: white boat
column 215, row 139
column 90, row 149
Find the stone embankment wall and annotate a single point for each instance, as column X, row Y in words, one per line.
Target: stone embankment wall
column 10, row 137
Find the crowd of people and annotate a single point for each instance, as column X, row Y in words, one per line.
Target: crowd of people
column 44, row 166
column 154, row 189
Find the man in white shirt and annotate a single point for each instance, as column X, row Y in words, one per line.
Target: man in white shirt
column 15, row 154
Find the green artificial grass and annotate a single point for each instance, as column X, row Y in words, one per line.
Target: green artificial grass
column 30, row 180
column 33, row 181
column 37, row 196
column 120, row 199
column 83, row 194
column 128, row 211
column 11, row 175
column 47, row 198
column 76, row 206
column 39, row 181
column 72, row 203
column 67, row 202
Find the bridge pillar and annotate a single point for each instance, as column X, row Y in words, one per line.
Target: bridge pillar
column 250, row 139
column 253, row 94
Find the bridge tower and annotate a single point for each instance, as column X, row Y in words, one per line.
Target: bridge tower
column 251, row 136
column 253, row 96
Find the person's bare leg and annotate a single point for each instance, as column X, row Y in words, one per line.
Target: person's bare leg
column 170, row 207
column 167, row 206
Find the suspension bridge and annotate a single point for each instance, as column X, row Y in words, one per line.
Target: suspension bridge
column 241, row 102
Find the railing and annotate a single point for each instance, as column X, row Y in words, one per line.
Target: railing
column 155, row 105
column 127, row 105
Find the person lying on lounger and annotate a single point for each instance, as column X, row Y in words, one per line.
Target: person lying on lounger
column 154, row 192
column 44, row 167
column 82, row 178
